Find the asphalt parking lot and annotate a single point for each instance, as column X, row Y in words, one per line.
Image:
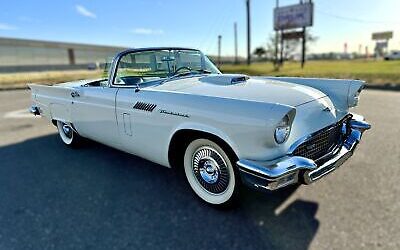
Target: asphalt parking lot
column 53, row 197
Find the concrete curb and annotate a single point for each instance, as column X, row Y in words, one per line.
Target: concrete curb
column 387, row 87
column 13, row 88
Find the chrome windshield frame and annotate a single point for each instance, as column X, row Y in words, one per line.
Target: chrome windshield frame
column 112, row 72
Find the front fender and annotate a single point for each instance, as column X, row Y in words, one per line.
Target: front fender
column 250, row 134
column 207, row 129
column 342, row 92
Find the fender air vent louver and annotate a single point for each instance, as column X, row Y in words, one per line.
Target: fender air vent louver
column 145, row 106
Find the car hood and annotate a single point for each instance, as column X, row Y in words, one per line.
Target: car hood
column 244, row 88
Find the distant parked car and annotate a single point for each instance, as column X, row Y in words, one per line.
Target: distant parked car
column 92, row 66
column 394, row 55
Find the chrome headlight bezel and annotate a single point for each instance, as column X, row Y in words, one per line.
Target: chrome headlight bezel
column 282, row 131
column 354, row 95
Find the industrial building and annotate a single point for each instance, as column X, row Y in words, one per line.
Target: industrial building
column 21, row 55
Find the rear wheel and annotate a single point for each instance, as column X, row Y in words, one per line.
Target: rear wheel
column 210, row 172
column 67, row 134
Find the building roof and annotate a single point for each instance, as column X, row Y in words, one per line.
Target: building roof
column 53, row 44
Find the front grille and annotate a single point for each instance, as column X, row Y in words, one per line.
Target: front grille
column 320, row 143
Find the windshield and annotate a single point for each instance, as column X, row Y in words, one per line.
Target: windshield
column 138, row 67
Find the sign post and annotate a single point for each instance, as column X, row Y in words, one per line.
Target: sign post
column 294, row 17
column 276, row 42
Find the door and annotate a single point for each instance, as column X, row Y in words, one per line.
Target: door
column 141, row 129
column 93, row 114
column 128, row 119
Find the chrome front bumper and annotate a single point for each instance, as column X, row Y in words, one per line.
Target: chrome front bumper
column 272, row 175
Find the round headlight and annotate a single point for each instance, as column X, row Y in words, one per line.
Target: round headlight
column 282, row 131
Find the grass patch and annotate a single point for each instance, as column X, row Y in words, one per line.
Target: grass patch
column 48, row 77
column 373, row 72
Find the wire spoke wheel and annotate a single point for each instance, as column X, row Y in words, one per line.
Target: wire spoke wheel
column 209, row 171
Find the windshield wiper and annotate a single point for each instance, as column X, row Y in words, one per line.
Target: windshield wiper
column 191, row 72
column 201, row 71
column 182, row 74
column 204, row 71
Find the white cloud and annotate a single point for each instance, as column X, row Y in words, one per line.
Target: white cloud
column 145, row 31
column 85, row 12
column 4, row 26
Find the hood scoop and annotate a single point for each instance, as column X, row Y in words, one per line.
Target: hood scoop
column 230, row 79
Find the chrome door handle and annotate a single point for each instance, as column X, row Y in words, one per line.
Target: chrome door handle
column 74, row 94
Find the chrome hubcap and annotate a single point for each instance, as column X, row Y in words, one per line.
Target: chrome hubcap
column 67, row 130
column 210, row 170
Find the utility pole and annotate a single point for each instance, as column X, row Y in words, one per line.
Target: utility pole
column 248, row 31
column 219, row 49
column 236, row 44
column 303, row 47
column 276, row 40
column 281, row 57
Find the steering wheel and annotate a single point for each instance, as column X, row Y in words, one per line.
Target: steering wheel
column 181, row 68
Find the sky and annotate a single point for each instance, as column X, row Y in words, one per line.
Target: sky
column 194, row 23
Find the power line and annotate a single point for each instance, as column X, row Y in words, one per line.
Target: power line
column 352, row 19
column 219, row 27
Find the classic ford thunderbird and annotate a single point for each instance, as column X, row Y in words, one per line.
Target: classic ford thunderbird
column 172, row 106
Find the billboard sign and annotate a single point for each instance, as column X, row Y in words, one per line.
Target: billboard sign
column 293, row 16
column 382, row 35
column 381, row 45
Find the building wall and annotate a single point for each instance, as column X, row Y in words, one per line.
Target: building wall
column 29, row 55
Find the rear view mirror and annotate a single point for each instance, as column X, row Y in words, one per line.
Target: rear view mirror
column 167, row 59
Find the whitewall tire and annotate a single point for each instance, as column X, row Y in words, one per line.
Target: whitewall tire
column 210, row 172
column 67, row 134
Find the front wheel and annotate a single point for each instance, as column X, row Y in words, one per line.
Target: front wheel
column 210, row 172
column 67, row 134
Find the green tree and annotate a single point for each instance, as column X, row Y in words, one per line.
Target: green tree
column 260, row 52
column 290, row 47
